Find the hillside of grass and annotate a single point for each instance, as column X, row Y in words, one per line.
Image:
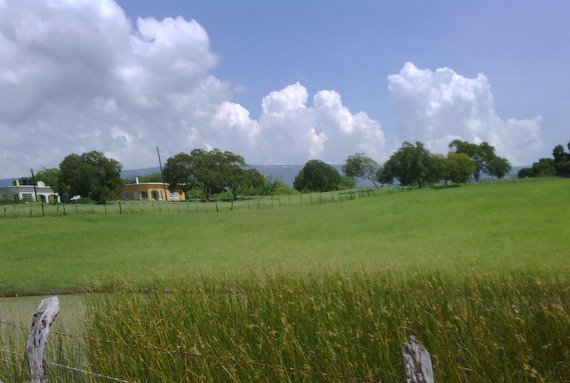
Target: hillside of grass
column 491, row 228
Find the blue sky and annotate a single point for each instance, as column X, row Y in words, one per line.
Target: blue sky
column 280, row 82
column 523, row 47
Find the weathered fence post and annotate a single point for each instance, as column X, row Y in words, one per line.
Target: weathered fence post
column 42, row 320
column 417, row 362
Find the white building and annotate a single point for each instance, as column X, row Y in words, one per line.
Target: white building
column 27, row 192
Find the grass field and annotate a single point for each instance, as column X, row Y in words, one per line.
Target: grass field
column 488, row 228
column 480, row 274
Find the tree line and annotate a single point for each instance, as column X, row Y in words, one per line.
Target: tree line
column 200, row 173
column 213, row 173
column 557, row 166
column 410, row 165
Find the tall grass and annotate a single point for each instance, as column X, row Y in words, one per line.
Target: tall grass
column 335, row 326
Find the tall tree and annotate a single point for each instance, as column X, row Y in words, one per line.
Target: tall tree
column 410, row 165
column 49, row 176
column 460, row 166
column 484, row 157
column 473, row 151
column 317, row 176
column 90, row 175
column 178, row 172
column 233, row 169
column 210, row 171
column 361, row 166
column 498, row 167
column 561, row 161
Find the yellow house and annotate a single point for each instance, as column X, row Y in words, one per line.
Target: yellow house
column 149, row 191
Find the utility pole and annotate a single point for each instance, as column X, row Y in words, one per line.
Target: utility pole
column 34, row 183
column 161, row 175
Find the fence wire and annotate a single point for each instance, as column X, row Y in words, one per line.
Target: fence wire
column 62, row 366
column 197, row 354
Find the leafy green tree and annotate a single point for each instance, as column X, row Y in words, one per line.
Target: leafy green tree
column 90, row 175
column 544, row 167
column 206, row 172
column 347, row 183
column 459, row 167
column 178, row 173
column 49, row 176
column 257, row 184
column 438, row 168
column 253, row 184
column 210, row 171
column 561, row 161
column 473, row 151
column 233, row 169
column 484, row 157
column 317, row 176
column 559, row 165
column 525, row 173
column 499, row 167
column 361, row 166
column 411, row 165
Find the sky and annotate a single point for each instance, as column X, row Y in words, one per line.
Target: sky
column 279, row 82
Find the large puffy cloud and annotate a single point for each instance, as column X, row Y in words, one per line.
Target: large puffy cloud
column 290, row 130
column 436, row 107
column 76, row 76
column 79, row 75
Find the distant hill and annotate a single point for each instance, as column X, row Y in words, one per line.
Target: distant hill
column 6, row 182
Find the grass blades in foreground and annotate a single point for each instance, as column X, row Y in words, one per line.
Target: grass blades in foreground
column 502, row 328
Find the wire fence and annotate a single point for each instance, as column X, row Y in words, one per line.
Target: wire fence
column 175, row 352
column 141, row 207
column 62, row 366
column 41, row 209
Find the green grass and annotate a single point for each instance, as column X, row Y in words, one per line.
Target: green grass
column 479, row 274
column 507, row 226
column 350, row 326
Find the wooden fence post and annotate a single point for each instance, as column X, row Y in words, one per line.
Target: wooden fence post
column 42, row 320
column 417, row 362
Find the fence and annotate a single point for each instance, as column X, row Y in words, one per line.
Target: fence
column 36, row 209
column 416, row 359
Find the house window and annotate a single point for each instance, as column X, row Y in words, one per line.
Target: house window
column 144, row 195
column 27, row 197
column 126, row 195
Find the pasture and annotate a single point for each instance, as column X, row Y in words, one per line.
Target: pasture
column 284, row 293
column 485, row 229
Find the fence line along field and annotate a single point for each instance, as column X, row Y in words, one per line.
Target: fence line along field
column 34, row 210
column 479, row 274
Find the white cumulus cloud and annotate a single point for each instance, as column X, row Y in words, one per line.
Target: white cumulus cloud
column 293, row 131
column 436, row 107
column 79, row 75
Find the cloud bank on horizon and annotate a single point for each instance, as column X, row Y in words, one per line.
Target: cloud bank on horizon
column 77, row 76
